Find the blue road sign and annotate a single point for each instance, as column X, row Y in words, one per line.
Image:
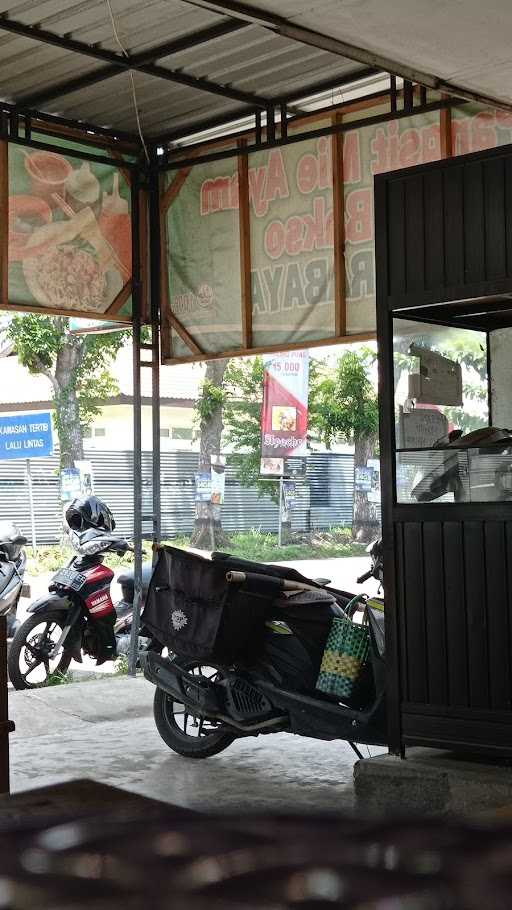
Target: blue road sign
column 26, row 435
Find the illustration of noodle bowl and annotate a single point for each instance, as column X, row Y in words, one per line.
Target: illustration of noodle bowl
column 61, row 274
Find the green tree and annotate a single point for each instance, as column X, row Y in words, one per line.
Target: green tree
column 243, row 401
column 77, row 367
column 345, row 409
column 208, row 533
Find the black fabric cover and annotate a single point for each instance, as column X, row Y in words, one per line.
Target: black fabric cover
column 238, row 564
column 194, row 611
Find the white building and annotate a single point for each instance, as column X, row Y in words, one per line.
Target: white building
column 113, row 428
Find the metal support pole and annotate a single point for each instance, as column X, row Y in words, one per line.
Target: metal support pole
column 271, row 125
column 257, row 127
column 155, row 267
column 32, row 512
column 137, row 433
column 284, row 121
column 280, row 525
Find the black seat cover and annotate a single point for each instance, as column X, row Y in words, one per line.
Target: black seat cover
column 127, row 583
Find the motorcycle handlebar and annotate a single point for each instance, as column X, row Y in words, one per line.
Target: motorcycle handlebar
column 362, row 578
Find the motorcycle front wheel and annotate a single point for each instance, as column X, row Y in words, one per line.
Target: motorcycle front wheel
column 29, row 663
column 182, row 731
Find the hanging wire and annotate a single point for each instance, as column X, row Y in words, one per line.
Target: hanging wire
column 130, row 74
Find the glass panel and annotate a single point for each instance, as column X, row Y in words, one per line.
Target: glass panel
column 446, row 451
column 456, row 475
column 440, row 382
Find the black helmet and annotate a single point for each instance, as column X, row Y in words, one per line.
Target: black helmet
column 89, row 512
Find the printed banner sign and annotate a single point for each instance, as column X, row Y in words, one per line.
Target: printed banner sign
column 70, row 484
column 86, row 477
column 292, row 236
column 284, row 415
column 26, row 436
column 70, row 233
column 218, row 481
column 203, row 492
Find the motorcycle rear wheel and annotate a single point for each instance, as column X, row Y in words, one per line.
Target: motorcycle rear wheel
column 200, row 739
column 32, row 651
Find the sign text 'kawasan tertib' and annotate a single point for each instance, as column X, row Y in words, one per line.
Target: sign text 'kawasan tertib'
column 26, row 435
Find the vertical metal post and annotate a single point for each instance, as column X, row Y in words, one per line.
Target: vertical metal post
column 284, row 121
column 257, row 126
column 408, row 95
column 489, row 377
column 280, row 525
column 392, row 92
column 271, row 125
column 155, row 269
column 31, row 504
column 137, row 431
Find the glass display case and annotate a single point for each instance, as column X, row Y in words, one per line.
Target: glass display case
column 448, row 446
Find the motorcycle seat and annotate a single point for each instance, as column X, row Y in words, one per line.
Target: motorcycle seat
column 126, row 581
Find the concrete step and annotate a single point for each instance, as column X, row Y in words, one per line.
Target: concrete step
column 432, row 782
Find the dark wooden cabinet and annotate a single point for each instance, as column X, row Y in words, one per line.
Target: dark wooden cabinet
column 444, row 264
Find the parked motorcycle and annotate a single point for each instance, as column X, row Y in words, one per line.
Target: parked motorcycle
column 248, row 641
column 13, row 562
column 78, row 616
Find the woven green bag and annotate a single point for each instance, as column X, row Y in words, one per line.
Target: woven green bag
column 345, row 653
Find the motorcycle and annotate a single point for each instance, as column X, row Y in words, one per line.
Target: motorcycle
column 13, row 562
column 78, row 616
column 202, row 704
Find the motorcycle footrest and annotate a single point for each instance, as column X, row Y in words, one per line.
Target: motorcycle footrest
column 194, row 692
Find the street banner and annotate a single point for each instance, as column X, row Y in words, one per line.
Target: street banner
column 203, row 486
column 86, row 477
column 70, row 486
column 26, row 435
column 284, row 415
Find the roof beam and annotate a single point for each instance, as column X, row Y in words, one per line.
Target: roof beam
column 178, row 45
column 121, row 63
column 296, row 96
column 243, row 12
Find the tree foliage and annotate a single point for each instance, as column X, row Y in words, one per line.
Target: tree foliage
column 242, row 421
column 344, row 404
column 77, row 367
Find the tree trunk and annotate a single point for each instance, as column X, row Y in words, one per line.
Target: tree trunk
column 364, row 521
column 67, row 410
column 208, row 533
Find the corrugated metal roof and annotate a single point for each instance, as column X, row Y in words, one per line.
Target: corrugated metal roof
column 279, row 47
column 250, row 60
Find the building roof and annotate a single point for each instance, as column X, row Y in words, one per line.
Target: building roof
column 194, row 60
column 190, row 60
column 178, row 384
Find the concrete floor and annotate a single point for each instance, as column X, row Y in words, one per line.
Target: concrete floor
column 104, row 730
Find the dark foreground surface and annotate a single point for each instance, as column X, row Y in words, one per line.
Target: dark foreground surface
column 84, row 845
